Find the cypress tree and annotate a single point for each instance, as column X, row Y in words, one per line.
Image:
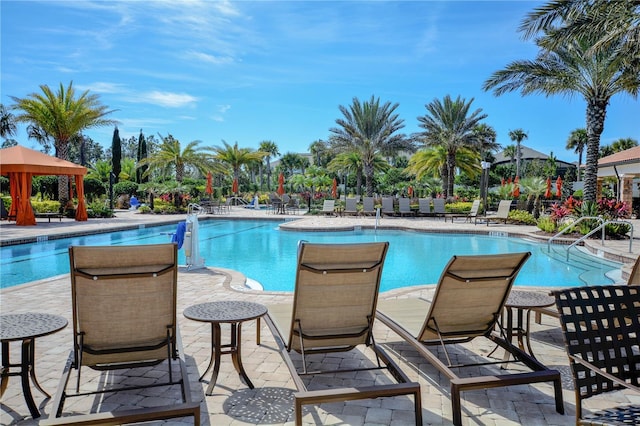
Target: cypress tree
column 142, row 153
column 116, row 154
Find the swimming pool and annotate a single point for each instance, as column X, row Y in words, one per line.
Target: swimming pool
column 268, row 255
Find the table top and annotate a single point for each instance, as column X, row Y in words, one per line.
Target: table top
column 29, row 325
column 529, row 299
column 228, row 311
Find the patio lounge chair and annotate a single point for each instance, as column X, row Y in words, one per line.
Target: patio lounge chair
column 387, row 207
column 438, row 207
column 368, row 207
column 467, row 304
column 124, row 316
column 601, row 329
column 473, row 213
column 404, row 207
column 329, row 207
column 424, row 206
column 333, row 310
column 502, row 213
column 351, row 207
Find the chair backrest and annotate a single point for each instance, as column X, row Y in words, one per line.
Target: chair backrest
column 438, row 206
column 124, row 303
column 601, row 325
column 470, row 295
column 475, row 206
column 424, row 205
column 503, row 209
column 336, row 293
column 351, row 205
column 387, row 205
column 329, row 206
column 404, row 205
column 634, row 277
column 368, row 205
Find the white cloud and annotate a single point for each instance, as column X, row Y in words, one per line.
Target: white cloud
column 104, row 87
column 205, row 57
column 167, row 99
column 223, row 108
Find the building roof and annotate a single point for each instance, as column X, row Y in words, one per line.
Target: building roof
column 630, row 155
column 527, row 154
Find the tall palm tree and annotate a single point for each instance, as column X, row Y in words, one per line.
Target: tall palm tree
column 61, row 116
column 369, row 129
column 170, row 159
column 271, row 150
column 348, row 163
column 578, row 141
column 236, row 157
column 511, row 152
column 517, row 136
column 569, row 69
column 486, row 139
column 448, row 123
column 319, row 150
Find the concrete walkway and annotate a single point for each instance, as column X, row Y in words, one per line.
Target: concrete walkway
column 271, row 400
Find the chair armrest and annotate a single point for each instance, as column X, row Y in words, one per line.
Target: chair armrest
column 617, row 380
column 130, row 416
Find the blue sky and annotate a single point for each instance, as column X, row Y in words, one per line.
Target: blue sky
column 249, row 71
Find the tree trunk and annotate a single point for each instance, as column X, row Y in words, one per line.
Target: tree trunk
column 368, row 174
column 62, row 150
column 596, row 113
column 359, row 182
column 451, row 166
column 518, row 158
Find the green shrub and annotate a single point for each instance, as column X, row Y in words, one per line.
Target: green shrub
column 546, row 224
column 99, row 210
column 144, row 209
column 522, row 216
column 45, row 206
column 164, row 209
column 458, row 207
column 94, row 188
column 617, row 230
column 125, row 187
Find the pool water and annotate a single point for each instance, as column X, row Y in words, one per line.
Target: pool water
column 263, row 253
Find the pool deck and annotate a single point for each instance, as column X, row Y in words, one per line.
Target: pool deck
column 271, row 401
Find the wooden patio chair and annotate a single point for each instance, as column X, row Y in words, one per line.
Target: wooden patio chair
column 124, row 316
column 601, row 330
column 467, row 304
column 333, row 310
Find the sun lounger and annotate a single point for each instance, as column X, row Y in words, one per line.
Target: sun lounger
column 351, row 207
column 438, row 207
column 124, row 316
column 404, row 207
column 502, row 214
column 333, row 310
column 473, row 213
column 424, row 206
column 368, row 206
column 387, row 206
column 467, row 304
column 329, row 207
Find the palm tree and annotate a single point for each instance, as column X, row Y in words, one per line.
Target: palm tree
column 318, row 149
column 534, row 187
column 623, row 144
column 271, row 150
column 615, row 23
column 348, row 163
column 486, row 138
column 431, row 162
column 237, row 157
column 568, row 69
column 60, row 116
column 8, row 126
column 171, row 159
column 511, row 152
column 369, row 129
column 450, row 125
column 577, row 141
column 517, row 136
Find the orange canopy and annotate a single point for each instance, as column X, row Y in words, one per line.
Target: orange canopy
column 21, row 164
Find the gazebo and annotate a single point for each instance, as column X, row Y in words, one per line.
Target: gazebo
column 21, row 164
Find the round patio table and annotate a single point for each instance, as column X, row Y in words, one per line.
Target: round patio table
column 26, row 328
column 523, row 301
column 229, row 312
